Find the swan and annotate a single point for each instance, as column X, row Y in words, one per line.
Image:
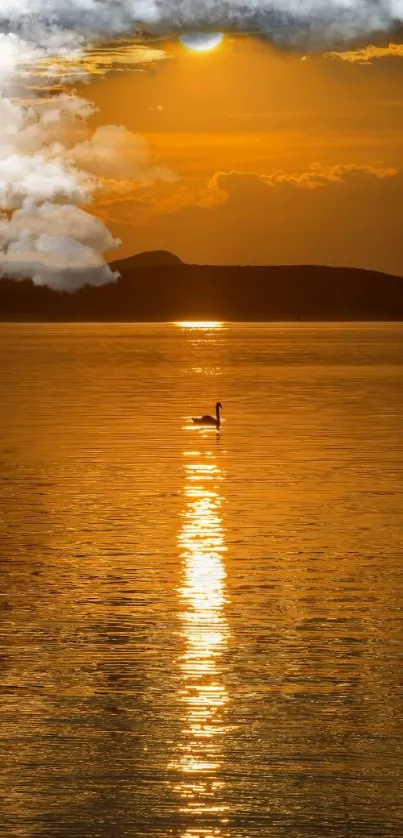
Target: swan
column 209, row 420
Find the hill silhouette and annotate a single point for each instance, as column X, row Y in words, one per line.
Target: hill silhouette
column 157, row 286
column 147, row 259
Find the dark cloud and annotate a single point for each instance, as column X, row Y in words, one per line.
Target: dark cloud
column 287, row 22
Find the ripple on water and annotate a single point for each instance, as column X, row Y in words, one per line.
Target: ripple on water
column 201, row 631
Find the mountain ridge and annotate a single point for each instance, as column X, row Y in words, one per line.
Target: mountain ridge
column 158, row 286
column 145, row 259
column 166, row 258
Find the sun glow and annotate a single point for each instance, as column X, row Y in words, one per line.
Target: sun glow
column 202, row 41
column 199, row 324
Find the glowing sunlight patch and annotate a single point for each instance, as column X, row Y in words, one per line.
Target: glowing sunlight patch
column 199, row 324
column 202, row 41
column 79, row 65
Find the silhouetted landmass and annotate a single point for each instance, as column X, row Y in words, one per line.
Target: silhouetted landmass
column 147, row 259
column 158, row 286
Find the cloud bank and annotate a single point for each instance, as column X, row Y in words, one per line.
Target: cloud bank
column 290, row 22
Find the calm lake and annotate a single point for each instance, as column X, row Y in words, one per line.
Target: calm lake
column 201, row 631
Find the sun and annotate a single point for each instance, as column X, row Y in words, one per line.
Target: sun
column 202, row 41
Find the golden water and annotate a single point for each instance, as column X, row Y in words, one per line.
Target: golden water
column 201, row 631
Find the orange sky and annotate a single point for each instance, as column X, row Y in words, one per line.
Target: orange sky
column 273, row 157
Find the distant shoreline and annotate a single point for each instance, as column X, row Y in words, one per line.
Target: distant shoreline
column 167, row 292
column 61, row 322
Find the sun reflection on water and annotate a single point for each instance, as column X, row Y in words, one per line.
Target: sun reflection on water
column 199, row 324
column 205, row 635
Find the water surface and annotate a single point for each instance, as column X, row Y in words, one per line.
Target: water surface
column 201, row 632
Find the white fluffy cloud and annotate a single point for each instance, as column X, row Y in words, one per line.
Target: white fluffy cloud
column 59, row 246
column 52, row 222
column 43, row 232
column 50, row 167
column 120, row 153
column 34, row 179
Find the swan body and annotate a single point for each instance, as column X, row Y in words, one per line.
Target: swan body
column 209, row 420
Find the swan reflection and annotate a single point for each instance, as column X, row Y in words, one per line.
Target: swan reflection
column 204, row 631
